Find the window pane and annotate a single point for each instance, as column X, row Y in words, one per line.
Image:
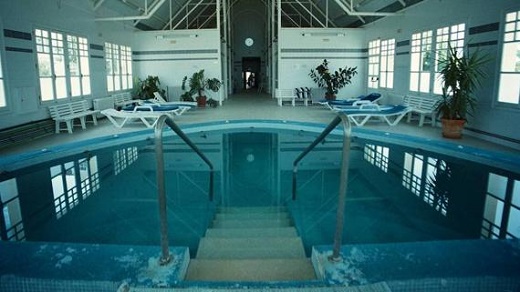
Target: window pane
column 414, row 66
column 85, row 82
column 75, row 88
column 44, row 65
column 497, row 185
column 61, row 87
column 2, row 93
column 59, row 65
column 425, row 82
column 414, row 81
column 513, row 225
column 85, row 69
column 509, row 88
column 516, row 194
column 46, row 89
column 511, row 57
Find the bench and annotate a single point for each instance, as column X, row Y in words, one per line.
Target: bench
column 123, row 98
column 67, row 112
column 423, row 106
column 285, row 95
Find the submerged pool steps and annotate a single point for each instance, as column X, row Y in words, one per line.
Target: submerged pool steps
column 251, row 244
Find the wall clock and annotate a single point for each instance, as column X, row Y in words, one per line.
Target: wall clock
column 249, row 42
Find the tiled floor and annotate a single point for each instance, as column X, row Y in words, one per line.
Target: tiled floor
column 248, row 105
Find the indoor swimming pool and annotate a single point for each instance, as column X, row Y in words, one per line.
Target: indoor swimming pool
column 401, row 189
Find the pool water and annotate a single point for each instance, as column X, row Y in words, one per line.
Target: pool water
column 395, row 193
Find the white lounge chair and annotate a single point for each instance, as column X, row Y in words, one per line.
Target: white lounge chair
column 145, row 113
column 158, row 99
column 373, row 97
column 391, row 114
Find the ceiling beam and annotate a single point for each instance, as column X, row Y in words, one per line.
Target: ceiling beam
column 98, row 4
column 147, row 15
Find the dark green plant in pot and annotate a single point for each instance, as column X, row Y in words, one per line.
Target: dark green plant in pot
column 146, row 87
column 461, row 74
column 198, row 83
column 332, row 81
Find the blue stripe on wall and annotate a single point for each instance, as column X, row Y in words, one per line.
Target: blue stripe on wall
column 484, row 28
column 175, row 59
column 96, row 57
column 175, row 52
column 96, row 47
column 483, row 44
column 324, row 50
column 403, row 43
column 20, row 50
column 321, row 57
column 17, row 34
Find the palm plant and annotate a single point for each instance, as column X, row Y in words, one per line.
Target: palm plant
column 461, row 74
column 198, row 83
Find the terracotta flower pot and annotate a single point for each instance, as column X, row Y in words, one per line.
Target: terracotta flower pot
column 201, row 101
column 452, row 128
column 329, row 96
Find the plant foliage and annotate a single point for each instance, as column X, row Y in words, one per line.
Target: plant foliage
column 198, row 83
column 461, row 76
column 332, row 81
column 145, row 88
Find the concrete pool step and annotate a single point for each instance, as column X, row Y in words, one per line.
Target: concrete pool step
column 251, row 210
column 256, row 216
column 250, row 248
column 251, row 244
column 251, row 232
column 251, row 270
column 251, row 223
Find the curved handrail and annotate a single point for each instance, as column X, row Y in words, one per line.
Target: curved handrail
column 161, row 190
column 309, row 148
column 340, row 214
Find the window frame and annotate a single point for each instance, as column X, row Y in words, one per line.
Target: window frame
column 500, row 55
column 436, row 49
column 119, row 74
column 3, row 76
column 39, row 48
column 380, row 52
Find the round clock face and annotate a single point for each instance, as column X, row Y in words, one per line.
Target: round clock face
column 249, row 42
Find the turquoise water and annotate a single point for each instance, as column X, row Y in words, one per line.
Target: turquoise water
column 395, row 193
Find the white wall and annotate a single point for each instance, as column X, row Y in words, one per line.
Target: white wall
column 304, row 49
column 490, row 119
column 173, row 55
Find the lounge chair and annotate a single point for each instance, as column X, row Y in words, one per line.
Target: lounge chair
column 158, row 99
column 373, row 97
column 175, row 108
column 148, row 114
column 359, row 115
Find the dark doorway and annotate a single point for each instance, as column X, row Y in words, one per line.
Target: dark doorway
column 251, row 72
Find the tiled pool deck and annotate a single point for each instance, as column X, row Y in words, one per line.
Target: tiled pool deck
column 469, row 265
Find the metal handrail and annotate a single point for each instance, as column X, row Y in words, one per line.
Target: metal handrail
column 161, row 190
column 347, row 131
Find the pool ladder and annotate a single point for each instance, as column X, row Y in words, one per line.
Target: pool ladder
column 347, row 132
column 161, row 190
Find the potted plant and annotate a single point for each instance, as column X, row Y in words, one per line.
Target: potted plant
column 198, row 83
column 460, row 75
column 145, row 88
column 332, row 81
